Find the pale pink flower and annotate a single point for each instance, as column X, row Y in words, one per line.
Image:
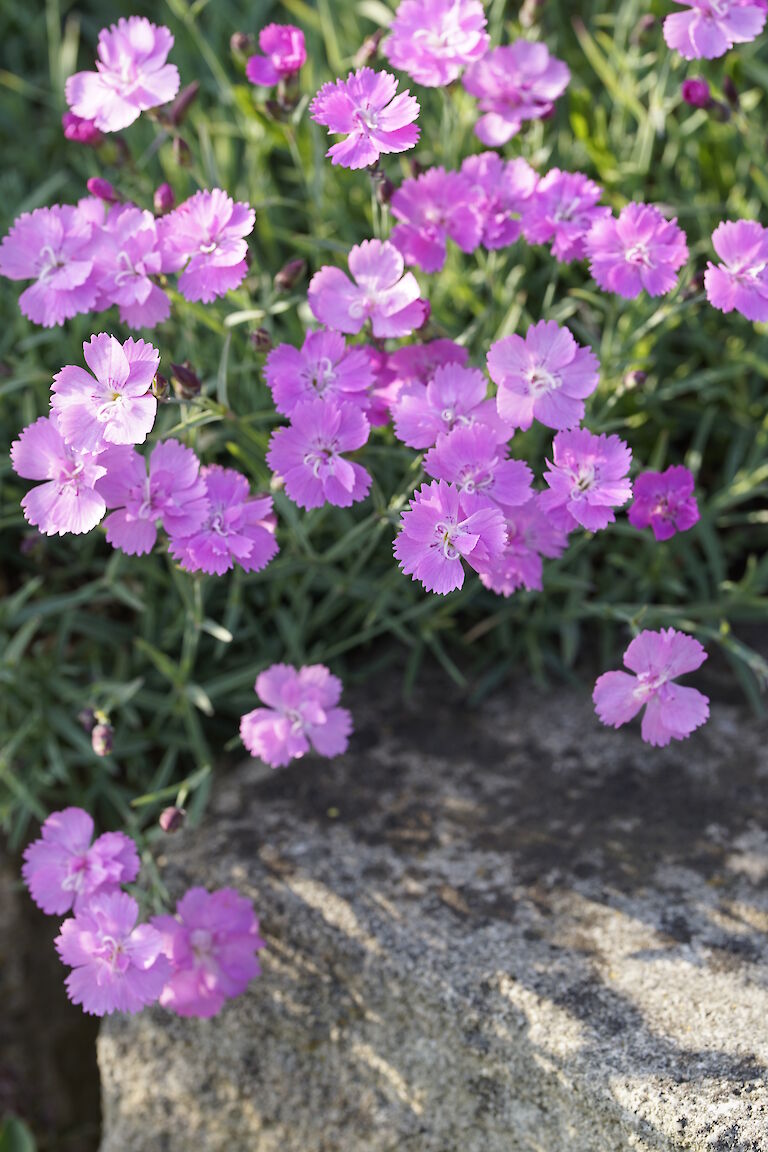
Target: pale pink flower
column 455, row 395
column 514, row 83
column 501, row 192
column 323, row 366
column 301, row 713
column 432, row 208
column 380, row 293
column 531, row 535
column 471, row 458
column 640, row 250
column 239, row 528
column 587, row 478
column 367, row 110
column 741, row 281
column 67, row 501
column 562, row 210
column 284, row 54
column 657, row 659
column 432, row 40
column 710, row 27
column 128, row 257
column 208, row 231
column 132, row 75
column 115, row 404
column 308, row 454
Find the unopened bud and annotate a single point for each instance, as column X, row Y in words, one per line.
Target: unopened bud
column 164, row 199
column 171, row 819
column 181, row 152
column 178, row 110
column 276, row 110
column 185, row 381
column 102, row 189
column 242, row 46
column 160, row 387
column 369, row 49
column 290, row 275
column 635, row 379
column 695, row 91
column 102, row 739
column 86, row 718
column 385, row 189
column 261, row 340
column 730, row 92
column 80, row 130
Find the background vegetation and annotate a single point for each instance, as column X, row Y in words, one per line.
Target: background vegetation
column 171, row 657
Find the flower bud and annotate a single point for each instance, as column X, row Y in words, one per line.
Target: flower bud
column 695, row 91
column 178, row 110
column 102, row 739
column 171, row 819
column 185, row 381
column 80, row 130
column 261, row 340
column 369, row 49
column 384, row 188
column 730, row 92
column 181, row 152
column 160, row 387
column 102, row 189
column 164, row 199
column 86, row 718
column 634, row 379
column 241, row 45
column 290, row 275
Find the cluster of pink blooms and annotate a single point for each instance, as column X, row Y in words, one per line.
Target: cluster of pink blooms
column 190, row 962
column 88, row 257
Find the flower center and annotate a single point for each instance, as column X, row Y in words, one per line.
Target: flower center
column 583, row 479
column 445, row 535
column 207, row 249
column 51, row 262
column 201, row 941
column 127, row 270
column 322, row 375
column 540, row 381
column 367, row 117
column 638, row 254
column 76, row 876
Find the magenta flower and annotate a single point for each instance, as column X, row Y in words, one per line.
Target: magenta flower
column 640, row 250
column 114, row 405
column 128, row 257
column 562, row 210
column 54, row 247
column 695, row 91
column 443, row 526
column 308, row 454
column 68, row 500
column 531, row 535
column 587, row 479
column 323, row 366
column 544, row 377
column 665, row 502
column 64, row 870
column 500, row 192
column 514, row 83
column 380, row 293
column 671, row 712
column 374, row 120
column 81, row 131
column 209, row 231
column 710, row 27
column 301, row 713
column 433, row 207
column 132, row 75
column 116, row 966
column 455, row 395
column 471, row 459
column 284, row 54
column 432, row 40
column 174, row 495
column 239, row 529
column 211, row 943
column 741, row 281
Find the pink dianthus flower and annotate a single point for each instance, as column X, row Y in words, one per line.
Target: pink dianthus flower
column 114, row 405
column 443, row 526
column 500, row 192
column 55, row 247
column 374, row 120
column 741, row 281
column 208, row 231
column 639, row 250
column 433, row 207
column 562, row 210
column 173, row 495
column 380, row 293
column 68, row 500
column 657, row 659
column 116, row 966
column 239, row 528
column 544, row 377
column 128, row 256
column 587, row 479
column 665, row 502
column 514, row 83
column 64, row 869
column 531, row 535
column 308, row 454
column 471, row 458
column 211, row 943
column 284, row 54
column 324, row 366
column 301, row 713
column 710, row 27
column 132, row 75
column 432, row 40
column 455, row 395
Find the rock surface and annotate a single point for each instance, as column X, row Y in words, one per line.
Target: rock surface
column 502, row 930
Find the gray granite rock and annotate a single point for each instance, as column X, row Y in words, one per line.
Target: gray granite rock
column 490, row 931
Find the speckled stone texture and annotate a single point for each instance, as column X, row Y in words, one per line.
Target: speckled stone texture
column 489, row 931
